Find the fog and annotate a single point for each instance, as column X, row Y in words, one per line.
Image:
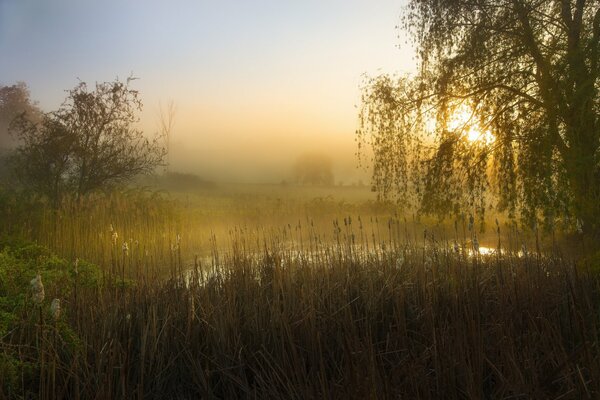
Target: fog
column 256, row 84
column 244, row 141
column 264, row 159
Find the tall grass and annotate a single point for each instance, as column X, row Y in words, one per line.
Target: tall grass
column 407, row 323
column 369, row 308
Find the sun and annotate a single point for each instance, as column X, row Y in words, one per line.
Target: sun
column 464, row 121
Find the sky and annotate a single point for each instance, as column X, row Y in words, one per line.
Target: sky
column 255, row 83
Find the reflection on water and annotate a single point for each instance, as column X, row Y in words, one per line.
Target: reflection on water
column 489, row 251
column 211, row 268
column 484, row 251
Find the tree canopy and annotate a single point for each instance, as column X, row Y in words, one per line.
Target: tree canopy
column 521, row 73
column 89, row 143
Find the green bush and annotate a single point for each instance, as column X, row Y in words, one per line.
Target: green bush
column 20, row 262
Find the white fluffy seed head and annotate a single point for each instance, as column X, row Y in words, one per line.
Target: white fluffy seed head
column 55, row 309
column 37, row 288
column 399, row 261
column 579, row 226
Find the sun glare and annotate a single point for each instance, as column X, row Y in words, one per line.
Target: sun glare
column 464, row 120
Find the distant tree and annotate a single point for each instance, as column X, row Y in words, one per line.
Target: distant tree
column 89, row 143
column 166, row 122
column 14, row 101
column 313, row 169
column 524, row 74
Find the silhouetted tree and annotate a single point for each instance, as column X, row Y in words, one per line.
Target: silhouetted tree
column 527, row 72
column 89, row 143
column 313, row 169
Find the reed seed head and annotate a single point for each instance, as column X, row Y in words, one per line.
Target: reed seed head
column 37, row 288
column 55, row 309
column 476, row 244
column 579, row 226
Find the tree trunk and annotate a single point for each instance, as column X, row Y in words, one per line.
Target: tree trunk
column 584, row 179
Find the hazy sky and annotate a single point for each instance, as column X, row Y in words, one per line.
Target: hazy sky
column 256, row 83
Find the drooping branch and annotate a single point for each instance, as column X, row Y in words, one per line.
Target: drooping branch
column 528, row 69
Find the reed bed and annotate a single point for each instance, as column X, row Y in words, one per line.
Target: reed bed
column 372, row 308
column 385, row 325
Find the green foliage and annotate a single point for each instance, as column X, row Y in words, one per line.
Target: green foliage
column 20, row 261
column 9, row 308
column 19, row 265
column 13, row 372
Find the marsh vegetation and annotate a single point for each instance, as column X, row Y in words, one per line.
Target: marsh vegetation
column 468, row 268
column 187, row 296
